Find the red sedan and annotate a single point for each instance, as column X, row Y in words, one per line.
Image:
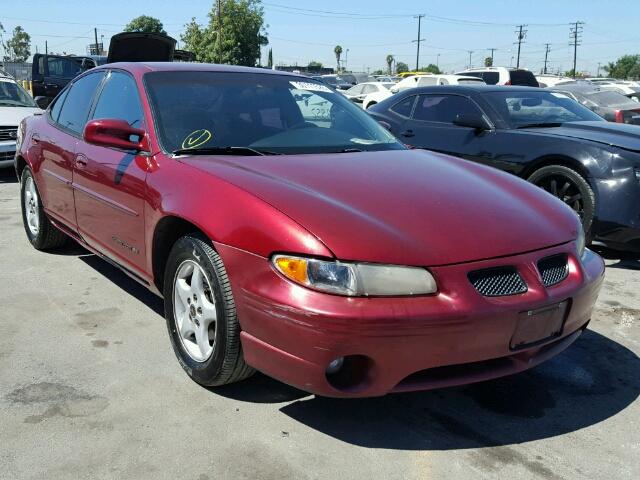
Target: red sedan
column 289, row 233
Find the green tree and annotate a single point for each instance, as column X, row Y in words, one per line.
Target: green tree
column 338, row 51
column 313, row 65
column 378, row 72
column 270, row 59
column 234, row 36
column 146, row 24
column 488, row 62
column 431, row 68
column 401, row 67
column 389, row 63
column 627, row 66
column 569, row 73
column 18, row 47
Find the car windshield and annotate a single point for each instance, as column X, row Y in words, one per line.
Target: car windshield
column 13, row 95
column 265, row 112
column 519, row 109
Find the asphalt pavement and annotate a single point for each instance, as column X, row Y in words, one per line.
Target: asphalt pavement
column 90, row 388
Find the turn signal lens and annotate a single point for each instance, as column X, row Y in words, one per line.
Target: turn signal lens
column 293, row 268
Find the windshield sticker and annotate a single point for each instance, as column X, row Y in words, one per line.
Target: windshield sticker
column 559, row 95
column 310, row 86
column 196, row 139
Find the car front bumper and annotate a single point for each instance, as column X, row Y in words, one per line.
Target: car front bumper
column 617, row 220
column 454, row 337
column 7, row 153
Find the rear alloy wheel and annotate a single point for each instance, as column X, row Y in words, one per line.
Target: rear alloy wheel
column 570, row 187
column 201, row 314
column 40, row 232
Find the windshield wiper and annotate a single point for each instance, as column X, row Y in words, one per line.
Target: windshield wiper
column 248, row 151
column 541, row 125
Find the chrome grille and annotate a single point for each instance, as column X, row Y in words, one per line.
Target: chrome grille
column 497, row 282
column 8, row 133
column 553, row 269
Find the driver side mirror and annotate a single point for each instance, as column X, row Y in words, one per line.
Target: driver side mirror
column 42, row 102
column 114, row 133
column 471, row 120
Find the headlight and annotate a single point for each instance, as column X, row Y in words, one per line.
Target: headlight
column 19, row 134
column 355, row 279
column 580, row 242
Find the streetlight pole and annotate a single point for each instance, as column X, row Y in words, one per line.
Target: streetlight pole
column 346, row 59
column 470, row 53
column 438, row 61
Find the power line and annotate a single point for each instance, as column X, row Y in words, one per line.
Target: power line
column 576, row 35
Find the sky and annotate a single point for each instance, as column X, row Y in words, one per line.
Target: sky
column 302, row 31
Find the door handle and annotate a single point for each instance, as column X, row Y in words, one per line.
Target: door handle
column 81, row 161
column 407, row 133
column 50, row 85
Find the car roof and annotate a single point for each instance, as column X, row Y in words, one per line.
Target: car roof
column 469, row 88
column 145, row 67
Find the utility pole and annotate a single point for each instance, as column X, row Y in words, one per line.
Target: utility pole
column 470, row 53
column 419, row 17
column 95, row 36
column 546, row 56
column 438, row 61
column 576, row 32
column 492, row 50
column 46, row 48
column 598, row 74
column 521, row 34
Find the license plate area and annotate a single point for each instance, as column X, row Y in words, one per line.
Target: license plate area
column 540, row 325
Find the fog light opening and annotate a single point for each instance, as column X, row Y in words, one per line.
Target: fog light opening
column 349, row 373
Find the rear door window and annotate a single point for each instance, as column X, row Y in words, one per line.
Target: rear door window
column 491, row 78
column 75, row 109
column 443, row 108
column 523, row 77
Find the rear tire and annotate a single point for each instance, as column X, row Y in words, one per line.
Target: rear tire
column 197, row 289
column 570, row 187
column 39, row 229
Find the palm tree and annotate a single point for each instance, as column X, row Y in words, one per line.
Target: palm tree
column 338, row 51
column 389, row 63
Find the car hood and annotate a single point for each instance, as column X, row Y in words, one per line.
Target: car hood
column 12, row 116
column 407, row 207
column 617, row 134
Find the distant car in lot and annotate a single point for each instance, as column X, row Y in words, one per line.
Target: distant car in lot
column 627, row 88
column 539, row 135
column 610, row 105
column 545, row 80
column 359, row 92
column 503, row 76
column 417, row 81
column 334, row 81
column 15, row 104
column 310, row 245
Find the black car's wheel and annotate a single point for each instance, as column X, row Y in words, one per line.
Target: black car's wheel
column 201, row 314
column 570, row 187
column 40, row 232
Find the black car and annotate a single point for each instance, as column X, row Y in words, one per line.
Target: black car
column 610, row 105
column 542, row 136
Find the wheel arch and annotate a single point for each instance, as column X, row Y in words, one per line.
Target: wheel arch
column 556, row 159
column 167, row 232
column 21, row 164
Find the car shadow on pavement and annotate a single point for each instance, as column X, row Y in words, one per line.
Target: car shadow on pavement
column 625, row 260
column 8, row 175
column 126, row 283
column 590, row 382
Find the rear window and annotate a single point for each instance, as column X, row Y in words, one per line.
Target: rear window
column 523, row 77
column 608, row 99
column 491, row 78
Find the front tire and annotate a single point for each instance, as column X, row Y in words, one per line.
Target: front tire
column 570, row 187
column 40, row 231
column 201, row 314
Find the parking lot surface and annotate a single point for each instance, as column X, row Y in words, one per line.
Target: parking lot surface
column 90, row 388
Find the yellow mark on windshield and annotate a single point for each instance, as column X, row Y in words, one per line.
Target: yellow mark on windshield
column 196, row 138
